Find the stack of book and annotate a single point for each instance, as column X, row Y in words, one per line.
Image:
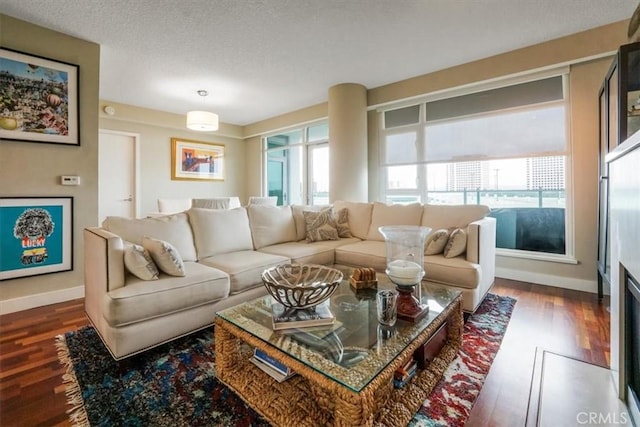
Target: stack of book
column 287, row 318
column 403, row 374
column 278, row 371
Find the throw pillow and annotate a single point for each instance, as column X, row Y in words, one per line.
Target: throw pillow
column 457, row 244
column 138, row 262
column 436, row 242
column 320, row 225
column 342, row 222
column 165, row 255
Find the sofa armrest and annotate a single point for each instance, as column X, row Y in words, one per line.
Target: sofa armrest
column 481, row 249
column 103, row 268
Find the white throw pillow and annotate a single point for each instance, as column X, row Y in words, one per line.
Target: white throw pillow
column 165, row 256
column 436, row 242
column 457, row 243
column 139, row 262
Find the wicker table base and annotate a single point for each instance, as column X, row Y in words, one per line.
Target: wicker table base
column 313, row 399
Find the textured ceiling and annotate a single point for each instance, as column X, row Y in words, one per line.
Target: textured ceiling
column 262, row 58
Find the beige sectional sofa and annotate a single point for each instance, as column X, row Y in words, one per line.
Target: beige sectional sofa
column 225, row 251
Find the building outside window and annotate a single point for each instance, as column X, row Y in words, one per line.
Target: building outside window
column 297, row 165
column 505, row 147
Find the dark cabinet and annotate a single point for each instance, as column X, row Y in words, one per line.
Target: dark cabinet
column 619, row 100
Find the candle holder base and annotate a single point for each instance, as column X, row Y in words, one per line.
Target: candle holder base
column 409, row 308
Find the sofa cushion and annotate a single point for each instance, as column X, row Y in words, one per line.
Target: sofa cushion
column 366, row 253
column 165, row 256
column 384, row 214
column 320, row 225
column 359, row 216
column 218, row 231
column 174, row 229
column 298, row 218
column 436, row 242
column 244, row 268
column 452, row 271
column 138, row 262
column 452, row 216
column 457, row 244
column 303, row 252
column 141, row 300
column 271, row 225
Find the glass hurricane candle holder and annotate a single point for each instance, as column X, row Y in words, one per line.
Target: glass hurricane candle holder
column 405, row 266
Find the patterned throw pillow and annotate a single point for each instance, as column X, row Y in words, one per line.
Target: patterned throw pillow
column 139, row 262
column 342, row 222
column 320, row 225
column 165, row 255
column 457, row 244
column 436, row 242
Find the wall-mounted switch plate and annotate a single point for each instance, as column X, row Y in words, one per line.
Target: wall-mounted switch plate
column 70, row 180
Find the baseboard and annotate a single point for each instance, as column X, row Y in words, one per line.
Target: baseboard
column 39, row 300
column 548, row 280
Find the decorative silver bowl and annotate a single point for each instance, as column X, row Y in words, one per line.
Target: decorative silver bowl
column 301, row 285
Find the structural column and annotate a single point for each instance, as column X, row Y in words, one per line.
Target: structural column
column 348, row 142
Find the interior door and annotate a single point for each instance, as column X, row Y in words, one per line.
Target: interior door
column 116, row 175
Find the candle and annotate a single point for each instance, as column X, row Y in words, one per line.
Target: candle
column 404, row 272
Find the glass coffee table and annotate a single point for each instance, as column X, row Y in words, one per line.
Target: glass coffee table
column 344, row 371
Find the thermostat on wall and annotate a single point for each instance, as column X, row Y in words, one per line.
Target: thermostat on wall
column 70, row 180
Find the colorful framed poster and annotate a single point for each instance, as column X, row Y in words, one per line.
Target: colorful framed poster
column 38, row 99
column 36, row 236
column 196, row 160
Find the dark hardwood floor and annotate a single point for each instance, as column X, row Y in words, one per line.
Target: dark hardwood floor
column 563, row 321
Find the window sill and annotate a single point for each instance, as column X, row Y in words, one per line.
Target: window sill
column 537, row 256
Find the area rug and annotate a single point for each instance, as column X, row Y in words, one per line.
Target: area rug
column 175, row 384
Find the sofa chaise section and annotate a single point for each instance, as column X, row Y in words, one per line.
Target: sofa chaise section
column 472, row 273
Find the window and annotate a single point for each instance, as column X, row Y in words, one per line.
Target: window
column 297, row 165
column 505, row 147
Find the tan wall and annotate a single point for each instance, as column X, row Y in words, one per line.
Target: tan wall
column 156, row 129
column 34, row 169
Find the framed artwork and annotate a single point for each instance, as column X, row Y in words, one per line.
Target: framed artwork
column 36, row 236
column 38, row 99
column 196, row 160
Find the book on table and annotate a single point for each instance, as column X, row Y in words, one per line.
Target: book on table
column 277, row 370
column 403, row 374
column 286, row 318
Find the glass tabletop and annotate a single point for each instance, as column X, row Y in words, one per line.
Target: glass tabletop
column 356, row 347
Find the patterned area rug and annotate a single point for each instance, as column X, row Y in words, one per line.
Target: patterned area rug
column 175, row 384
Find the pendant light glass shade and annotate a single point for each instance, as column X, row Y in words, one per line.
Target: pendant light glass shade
column 203, row 121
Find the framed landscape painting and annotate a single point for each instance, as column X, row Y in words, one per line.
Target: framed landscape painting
column 36, row 236
column 38, row 99
column 196, row 160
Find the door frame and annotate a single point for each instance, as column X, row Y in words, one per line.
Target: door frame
column 136, row 165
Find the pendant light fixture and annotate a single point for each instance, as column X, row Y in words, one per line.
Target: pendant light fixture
column 203, row 121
